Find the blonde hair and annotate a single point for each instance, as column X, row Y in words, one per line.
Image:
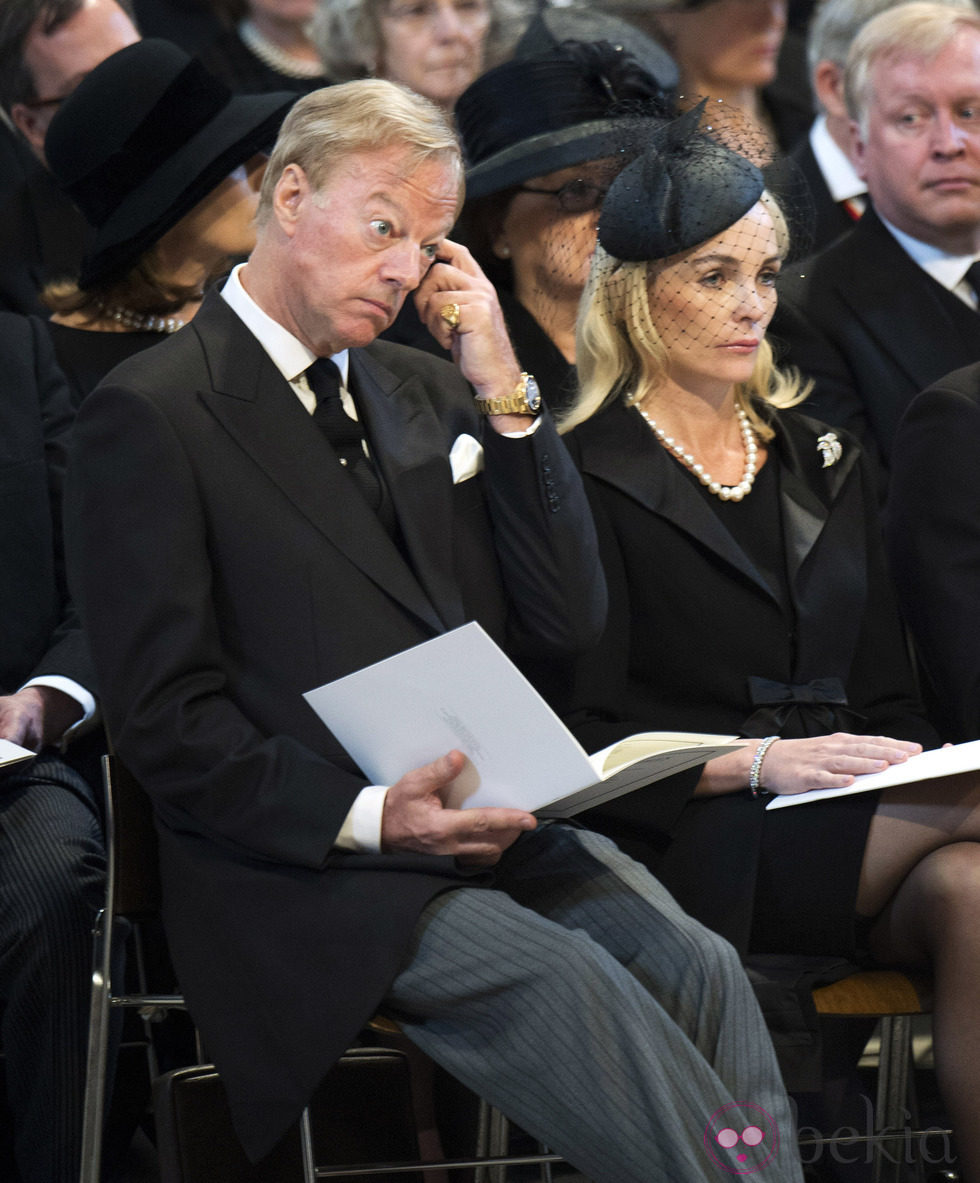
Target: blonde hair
column 620, row 353
column 835, row 24
column 337, row 122
column 347, row 34
column 917, row 30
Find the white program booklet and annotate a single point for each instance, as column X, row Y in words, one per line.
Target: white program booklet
column 961, row 757
column 12, row 753
column 460, row 690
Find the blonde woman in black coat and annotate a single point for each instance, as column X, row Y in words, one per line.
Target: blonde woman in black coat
column 748, row 595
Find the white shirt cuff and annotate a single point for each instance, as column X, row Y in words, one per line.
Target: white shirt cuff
column 519, row 435
column 361, row 831
column 70, row 687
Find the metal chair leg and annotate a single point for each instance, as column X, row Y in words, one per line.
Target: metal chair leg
column 895, row 1103
column 499, row 1142
column 482, row 1148
column 545, row 1172
column 93, row 1113
column 306, row 1147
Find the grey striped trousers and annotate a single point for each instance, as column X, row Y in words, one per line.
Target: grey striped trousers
column 52, row 869
column 578, row 998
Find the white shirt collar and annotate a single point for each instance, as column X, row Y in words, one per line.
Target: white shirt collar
column 288, row 354
column 838, row 171
column 945, row 268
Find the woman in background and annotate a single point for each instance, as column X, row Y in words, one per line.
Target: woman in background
column 434, row 47
column 730, row 50
column 543, row 138
column 167, row 223
column 267, row 47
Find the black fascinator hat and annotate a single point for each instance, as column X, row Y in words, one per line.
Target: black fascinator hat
column 145, row 137
column 576, row 102
column 685, row 188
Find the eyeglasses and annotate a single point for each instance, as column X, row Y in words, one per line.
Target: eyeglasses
column 574, row 197
column 424, row 12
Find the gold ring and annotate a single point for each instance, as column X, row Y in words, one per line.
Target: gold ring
column 450, row 314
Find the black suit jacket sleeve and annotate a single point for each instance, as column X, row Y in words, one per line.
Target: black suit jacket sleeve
column 883, row 683
column 557, row 600
column 933, row 530
column 802, row 341
column 39, row 631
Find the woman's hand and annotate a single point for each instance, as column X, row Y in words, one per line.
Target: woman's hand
column 797, row 765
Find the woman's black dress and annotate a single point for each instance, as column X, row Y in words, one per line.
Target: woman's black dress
column 86, row 356
column 769, row 616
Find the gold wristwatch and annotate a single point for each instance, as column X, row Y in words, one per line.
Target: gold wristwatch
column 526, row 400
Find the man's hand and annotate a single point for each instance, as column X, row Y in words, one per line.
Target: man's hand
column 36, row 716
column 416, row 818
column 480, row 345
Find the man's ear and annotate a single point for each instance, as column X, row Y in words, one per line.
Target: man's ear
column 858, row 150
column 828, row 86
column 291, row 191
column 32, row 123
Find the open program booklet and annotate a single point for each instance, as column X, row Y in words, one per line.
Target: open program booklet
column 461, row 691
column 12, row 753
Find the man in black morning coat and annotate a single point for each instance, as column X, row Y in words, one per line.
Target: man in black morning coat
column 890, row 307
column 51, row 857
column 297, row 898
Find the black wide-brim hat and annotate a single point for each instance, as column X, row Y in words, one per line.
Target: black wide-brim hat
column 550, row 27
column 576, row 102
column 145, row 137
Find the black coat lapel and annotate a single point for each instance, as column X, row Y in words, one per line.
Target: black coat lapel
column 897, row 292
column 808, row 489
column 259, row 410
column 831, row 219
column 618, row 448
column 825, row 506
column 412, row 450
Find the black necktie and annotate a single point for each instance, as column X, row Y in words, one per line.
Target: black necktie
column 343, row 432
column 972, row 277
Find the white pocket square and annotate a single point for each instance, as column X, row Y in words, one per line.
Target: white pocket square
column 466, row 458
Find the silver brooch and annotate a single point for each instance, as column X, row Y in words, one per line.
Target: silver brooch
column 829, row 448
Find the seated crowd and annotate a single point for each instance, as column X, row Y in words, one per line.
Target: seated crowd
column 624, row 329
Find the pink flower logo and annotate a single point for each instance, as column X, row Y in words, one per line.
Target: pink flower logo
column 741, row 1139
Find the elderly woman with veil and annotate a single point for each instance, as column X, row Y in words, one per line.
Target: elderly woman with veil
column 748, row 595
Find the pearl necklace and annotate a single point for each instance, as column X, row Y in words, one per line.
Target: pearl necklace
column 275, row 57
column 725, row 492
column 143, row 322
